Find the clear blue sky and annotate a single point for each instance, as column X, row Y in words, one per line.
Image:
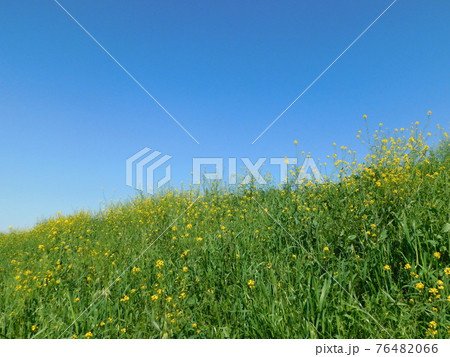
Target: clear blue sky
column 69, row 116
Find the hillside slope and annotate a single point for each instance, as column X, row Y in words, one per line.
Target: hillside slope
column 363, row 257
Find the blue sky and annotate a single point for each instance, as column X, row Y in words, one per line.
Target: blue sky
column 70, row 117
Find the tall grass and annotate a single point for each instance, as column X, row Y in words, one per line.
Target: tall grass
column 365, row 255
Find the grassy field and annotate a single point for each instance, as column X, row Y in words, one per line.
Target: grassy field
column 365, row 255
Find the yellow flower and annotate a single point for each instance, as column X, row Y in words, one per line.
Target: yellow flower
column 447, row 271
column 326, row 249
column 76, row 299
column 437, row 255
column 251, row 284
column 159, row 263
column 407, row 266
column 136, row 270
column 365, row 116
column 185, row 269
column 387, row 267
column 433, row 325
column 186, row 252
column 89, row 335
column 123, row 330
column 433, row 291
column 155, row 297
column 419, row 286
column 199, row 239
column 125, row 298
column 295, row 142
column 189, row 226
column 194, row 325
column 34, row 327
column 429, row 112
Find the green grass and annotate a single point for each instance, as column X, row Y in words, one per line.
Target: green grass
column 345, row 259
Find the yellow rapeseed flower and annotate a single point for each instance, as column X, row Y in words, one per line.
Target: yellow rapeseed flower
column 419, row 286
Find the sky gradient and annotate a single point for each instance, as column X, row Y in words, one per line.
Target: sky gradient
column 70, row 116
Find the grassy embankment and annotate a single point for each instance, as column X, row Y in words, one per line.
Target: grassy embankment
column 366, row 257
